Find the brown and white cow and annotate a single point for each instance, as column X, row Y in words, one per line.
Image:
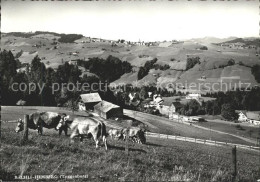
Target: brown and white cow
column 87, row 126
column 38, row 120
column 115, row 134
column 135, row 134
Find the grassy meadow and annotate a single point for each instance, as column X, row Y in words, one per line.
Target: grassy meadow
column 158, row 160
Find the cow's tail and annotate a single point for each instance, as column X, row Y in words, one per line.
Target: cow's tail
column 104, row 134
column 103, row 130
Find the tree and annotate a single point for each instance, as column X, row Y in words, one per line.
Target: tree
column 256, row 72
column 209, row 107
column 8, row 68
column 143, row 93
column 228, row 111
column 231, row 62
column 38, row 70
column 142, row 73
column 216, row 108
column 144, row 70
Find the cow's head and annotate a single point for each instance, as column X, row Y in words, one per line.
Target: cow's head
column 20, row 125
column 63, row 121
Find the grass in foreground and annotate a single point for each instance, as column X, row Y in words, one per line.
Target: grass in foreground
column 159, row 160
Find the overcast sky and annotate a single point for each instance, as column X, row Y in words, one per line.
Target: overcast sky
column 134, row 20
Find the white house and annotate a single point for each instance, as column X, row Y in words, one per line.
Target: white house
column 169, row 109
column 252, row 117
column 242, row 116
column 157, row 99
column 73, row 62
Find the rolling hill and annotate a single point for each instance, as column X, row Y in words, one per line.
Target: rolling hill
column 213, row 65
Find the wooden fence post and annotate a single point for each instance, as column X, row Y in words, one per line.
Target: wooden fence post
column 127, row 137
column 126, row 142
column 234, row 162
column 25, row 132
column 0, row 132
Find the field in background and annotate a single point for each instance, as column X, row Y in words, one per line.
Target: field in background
column 212, row 60
column 170, row 127
column 237, row 128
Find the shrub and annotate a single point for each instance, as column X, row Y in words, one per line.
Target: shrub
column 204, row 48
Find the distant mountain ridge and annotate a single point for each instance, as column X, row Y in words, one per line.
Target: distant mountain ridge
column 210, row 40
column 246, row 41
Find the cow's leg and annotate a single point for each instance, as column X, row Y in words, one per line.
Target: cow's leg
column 81, row 138
column 105, row 141
column 96, row 140
column 72, row 136
column 60, row 131
column 66, row 131
column 40, row 130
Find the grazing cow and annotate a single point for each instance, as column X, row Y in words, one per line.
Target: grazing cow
column 135, row 134
column 38, row 120
column 87, row 126
column 115, row 134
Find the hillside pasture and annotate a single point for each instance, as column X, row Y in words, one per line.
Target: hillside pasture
column 158, row 160
column 212, row 60
column 233, row 128
column 175, row 127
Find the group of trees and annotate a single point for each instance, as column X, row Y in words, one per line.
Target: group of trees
column 109, row 69
column 65, row 38
column 191, row 62
column 37, row 74
column 144, row 70
column 204, row 48
column 69, row 38
column 15, row 86
column 225, row 104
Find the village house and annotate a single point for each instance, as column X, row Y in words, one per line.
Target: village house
column 73, row 62
column 157, row 99
column 174, row 106
column 252, row 117
column 108, row 110
column 169, row 107
column 241, row 116
column 133, row 99
column 88, row 101
column 21, row 70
